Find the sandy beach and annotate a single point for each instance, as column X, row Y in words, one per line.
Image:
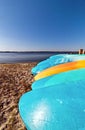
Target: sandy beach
column 15, row 80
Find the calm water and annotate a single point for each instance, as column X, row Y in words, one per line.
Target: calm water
column 17, row 57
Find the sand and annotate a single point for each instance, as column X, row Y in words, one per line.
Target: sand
column 15, row 80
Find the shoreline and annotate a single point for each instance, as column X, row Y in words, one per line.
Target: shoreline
column 15, row 80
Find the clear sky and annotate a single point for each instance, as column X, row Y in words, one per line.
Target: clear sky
column 31, row 25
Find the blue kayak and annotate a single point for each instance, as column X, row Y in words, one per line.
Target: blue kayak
column 55, row 102
column 56, row 107
column 56, row 60
column 65, row 77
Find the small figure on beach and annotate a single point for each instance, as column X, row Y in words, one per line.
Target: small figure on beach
column 81, row 51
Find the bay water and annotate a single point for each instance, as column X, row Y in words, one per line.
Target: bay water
column 20, row 57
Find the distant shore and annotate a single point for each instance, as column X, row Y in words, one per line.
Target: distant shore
column 60, row 52
column 15, row 80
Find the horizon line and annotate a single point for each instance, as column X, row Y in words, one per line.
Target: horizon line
column 45, row 51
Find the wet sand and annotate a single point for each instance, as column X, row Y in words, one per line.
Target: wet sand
column 15, row 80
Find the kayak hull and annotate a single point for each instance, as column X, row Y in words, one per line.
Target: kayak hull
column 60, row 68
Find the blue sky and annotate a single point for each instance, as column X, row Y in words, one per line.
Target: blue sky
column 32, row 25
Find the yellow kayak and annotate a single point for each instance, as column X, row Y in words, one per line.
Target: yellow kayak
column 60, row 68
